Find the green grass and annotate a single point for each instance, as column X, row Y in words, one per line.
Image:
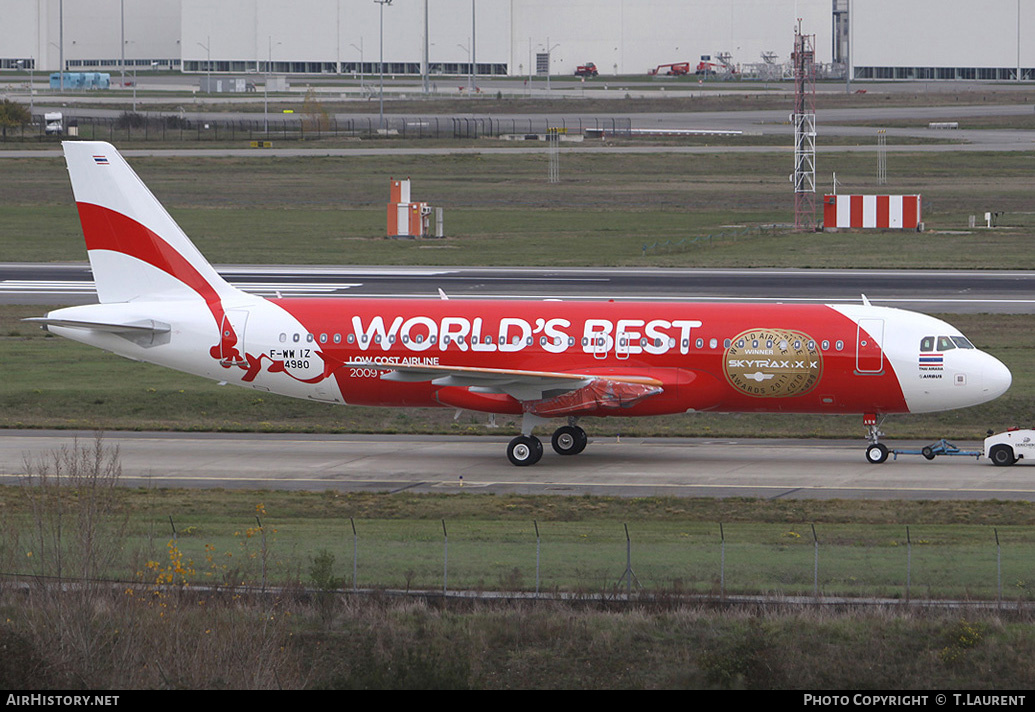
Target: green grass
column 589, row 556
column 626, row 210
column 676, row 543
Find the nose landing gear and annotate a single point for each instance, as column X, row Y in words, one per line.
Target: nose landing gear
column 877, row 452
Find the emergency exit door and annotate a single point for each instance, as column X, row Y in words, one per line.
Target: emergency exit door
column 869, row 346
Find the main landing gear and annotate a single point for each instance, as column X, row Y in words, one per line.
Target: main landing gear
column 877, row 452
column 527, row 449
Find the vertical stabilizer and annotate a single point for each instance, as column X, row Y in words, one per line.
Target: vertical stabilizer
column 137, row 251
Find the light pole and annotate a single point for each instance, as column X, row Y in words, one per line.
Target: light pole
column 61, row 42
column 266, row 89
column 426, row 70
column 470, row 74
column 381, row 64
column 549, row 57
column 21, row 63
column 360, row 48
column 153, row 65
column 122, row 40
column 208, row 64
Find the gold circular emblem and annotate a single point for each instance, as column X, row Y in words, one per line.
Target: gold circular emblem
column 773, row 363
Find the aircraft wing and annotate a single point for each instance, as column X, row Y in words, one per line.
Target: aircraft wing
column 525, row 386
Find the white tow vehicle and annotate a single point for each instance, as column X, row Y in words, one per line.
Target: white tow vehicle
column 1008, row 447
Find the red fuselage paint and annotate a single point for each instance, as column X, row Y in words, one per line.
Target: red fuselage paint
column 708, row 357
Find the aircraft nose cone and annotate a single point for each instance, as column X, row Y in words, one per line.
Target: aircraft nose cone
column 995, row 376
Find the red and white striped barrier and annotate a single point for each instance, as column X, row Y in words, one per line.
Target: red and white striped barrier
column 876, row 211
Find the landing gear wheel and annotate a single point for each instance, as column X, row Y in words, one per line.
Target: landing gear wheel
column 927, row 452
column 524, row 450
column 1002, row 456
column 569, row 440
column 876, row 453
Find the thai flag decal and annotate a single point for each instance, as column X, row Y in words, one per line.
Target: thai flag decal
column 930, row 359
column 100, row 160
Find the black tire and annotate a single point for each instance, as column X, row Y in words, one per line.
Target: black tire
column 524, row 450
column 569, row 440
column 876, row 453
column 1002, row 456
column 927, row 452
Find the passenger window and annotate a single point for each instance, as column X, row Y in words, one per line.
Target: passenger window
column 945, row 343
column 927, row 343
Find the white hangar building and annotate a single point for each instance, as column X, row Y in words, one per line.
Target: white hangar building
column 879, row 39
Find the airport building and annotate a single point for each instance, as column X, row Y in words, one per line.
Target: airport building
column 875, row 39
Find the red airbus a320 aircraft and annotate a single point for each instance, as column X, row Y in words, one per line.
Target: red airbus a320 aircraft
column 162, row 302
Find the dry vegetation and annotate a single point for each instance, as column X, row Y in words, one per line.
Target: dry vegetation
column 112, row 641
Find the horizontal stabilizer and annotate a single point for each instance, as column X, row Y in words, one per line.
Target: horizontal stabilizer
column 146, row 332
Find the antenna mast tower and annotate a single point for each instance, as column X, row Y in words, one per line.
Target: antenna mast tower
column 804, row 118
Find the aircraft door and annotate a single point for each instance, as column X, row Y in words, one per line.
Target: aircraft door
column 869, row 346
column 231, row 337
column 622, row 345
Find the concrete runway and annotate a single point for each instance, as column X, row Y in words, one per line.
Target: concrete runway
column 931, row 291
column 629, row 467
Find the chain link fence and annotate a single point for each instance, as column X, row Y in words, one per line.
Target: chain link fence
column 171, row 128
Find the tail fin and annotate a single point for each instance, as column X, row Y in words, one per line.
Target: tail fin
column 137, row 251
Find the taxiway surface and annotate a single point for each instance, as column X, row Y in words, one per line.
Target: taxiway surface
column 625, row 467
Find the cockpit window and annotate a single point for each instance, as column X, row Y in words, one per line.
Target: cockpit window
column 945, row 343
column 962, row 342
column 927, row 343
